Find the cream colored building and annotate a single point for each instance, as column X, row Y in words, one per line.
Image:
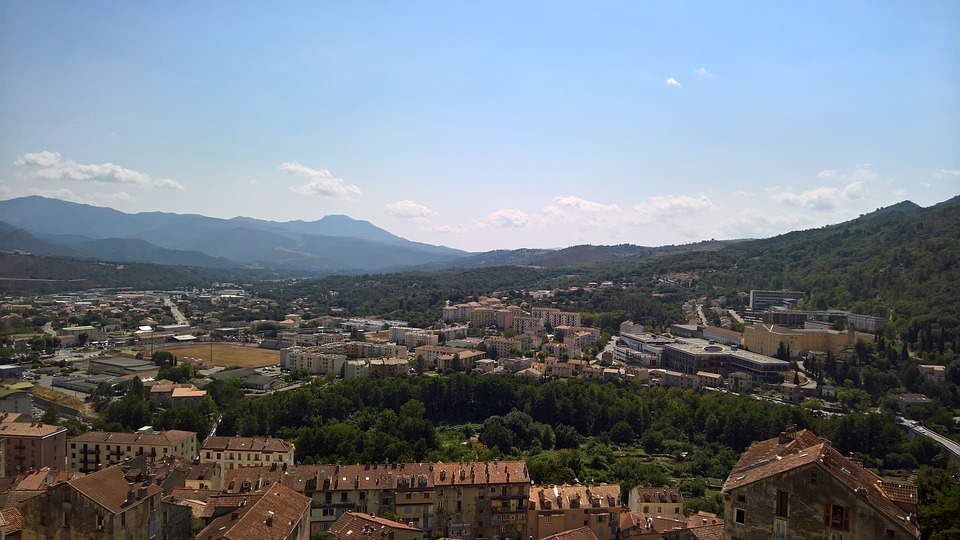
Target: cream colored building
column 96, row 450
column 233, row 452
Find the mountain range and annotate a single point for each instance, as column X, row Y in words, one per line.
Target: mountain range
column 333, row 244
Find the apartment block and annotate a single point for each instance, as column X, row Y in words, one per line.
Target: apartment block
column 313, row 359
column 32, row 445
column 233, row 452
column 96, row 450
column 455, row 500
column 557, row 508
column 663, row 501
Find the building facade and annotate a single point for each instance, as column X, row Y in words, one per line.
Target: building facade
column 797, row 486
column 95, row 450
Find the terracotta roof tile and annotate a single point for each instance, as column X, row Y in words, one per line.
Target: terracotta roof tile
column 583, row 533
column 360, row 526
column 765, row 459
column 12, row 521
column 273, row 515
column 246, row 444
column 109, row 488
column 170, row 437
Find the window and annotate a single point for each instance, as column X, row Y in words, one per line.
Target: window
column 890, row 534
column 741, row 497
column 813, row 477
column 740, row 516
column 783, row 504
column 836, row 517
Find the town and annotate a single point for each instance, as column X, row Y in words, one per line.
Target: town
column 124, row 361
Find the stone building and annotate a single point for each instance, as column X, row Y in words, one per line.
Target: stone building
column 797, row 486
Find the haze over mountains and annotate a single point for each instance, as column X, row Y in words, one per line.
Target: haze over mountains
column 333, row 244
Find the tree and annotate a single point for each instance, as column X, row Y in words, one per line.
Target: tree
column 163, row 358
column 50, row 416
column 419, row 364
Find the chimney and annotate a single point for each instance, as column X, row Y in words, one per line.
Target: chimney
column 269, row 520
column 131, row 492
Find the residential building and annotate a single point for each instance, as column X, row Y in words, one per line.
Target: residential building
column 937, row 373
column 315, row 360
column 481, row 500
column 467, row 359
column 102, row 504
column 791, row 393
column 96, row 450
column 709, row 380
column 362, row 526
column 463, row 500
column 32, row 445
column 558, row 508
column 796, row 485
column 233, row 452
column 390, row 367
column 276, row 513
column 655, row 501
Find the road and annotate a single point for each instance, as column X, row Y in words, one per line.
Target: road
column 175, row 311
column 953, row 449
column 703, row 318
column 811, row 380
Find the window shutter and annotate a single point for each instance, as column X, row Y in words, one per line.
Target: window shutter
column 846, row 519
column 826, row 515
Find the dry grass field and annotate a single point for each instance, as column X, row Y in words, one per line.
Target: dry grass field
column 228, row 354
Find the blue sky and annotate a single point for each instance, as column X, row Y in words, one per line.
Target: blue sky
column 485, row 125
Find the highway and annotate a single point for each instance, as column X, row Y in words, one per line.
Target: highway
column 953, row 449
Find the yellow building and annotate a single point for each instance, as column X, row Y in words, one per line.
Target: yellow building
column 766, row 339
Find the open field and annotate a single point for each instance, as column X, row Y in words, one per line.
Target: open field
column 228, row 354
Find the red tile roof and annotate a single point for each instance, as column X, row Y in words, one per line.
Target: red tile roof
column 360, row 526
column 11, row 520
column 274, row 515
column 170, row 437
column 765, row 459
column 246, row 444
column 583, row 533
column 109, row 489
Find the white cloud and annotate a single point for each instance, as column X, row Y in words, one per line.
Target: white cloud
column 824, row 197
column 926, row 185
column 945, row 173
column 553, row 213
column 900, row 193
column 167, row 183
column 670, row 203
column 449, row 229
column 585, row 205
column 863, row 175
column 704, row 72
column 828, row 174
column 673, row 82
column 507, row 217
column 52, row 166
column 321, row 182
column 407, row 209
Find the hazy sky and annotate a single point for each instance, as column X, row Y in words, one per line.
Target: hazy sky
column 484, row 125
